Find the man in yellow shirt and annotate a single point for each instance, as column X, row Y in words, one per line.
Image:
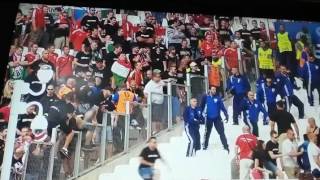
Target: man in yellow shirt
column 266, row 60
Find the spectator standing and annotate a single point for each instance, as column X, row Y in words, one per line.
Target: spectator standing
column 272, row 150
column 314, row 154
column 290, row 152
column 61, row 31
column 284, row 121
column 64, row 65
column 245, row 144
column 251, row 109
column 78, row 37
column 90, row 20
column 48, row 28
column 38, row 24
column 238, row 85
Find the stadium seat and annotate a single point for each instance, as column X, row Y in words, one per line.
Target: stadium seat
column 58, row 51
column 24, row 51
column 134, row 19
column 40, row 50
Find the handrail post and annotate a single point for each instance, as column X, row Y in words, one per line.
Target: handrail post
column 77, row 154
column 126, row 132
column 103, row 137
column 188, row 88
column 149, row 122
column 169, row 105
column 51, row 157
column 206, row 76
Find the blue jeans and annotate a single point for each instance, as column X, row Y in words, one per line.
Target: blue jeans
column 146, row 173
column 271, row 167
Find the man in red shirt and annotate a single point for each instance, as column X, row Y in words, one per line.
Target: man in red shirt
column 212, row 31
column 127, row 27
column 77, row 38
column 136, row 75
column 5, row 114
column 52, row 57
column 207, row 46
column 64, row 64
column 231, row 56
column 32, row 55
column 245, row 143
column 38, row 24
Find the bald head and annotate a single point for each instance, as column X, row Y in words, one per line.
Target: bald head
column 246, row 129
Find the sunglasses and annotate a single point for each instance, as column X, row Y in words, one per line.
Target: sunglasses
column 50, row 89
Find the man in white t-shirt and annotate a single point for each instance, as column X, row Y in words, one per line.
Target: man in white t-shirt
column 314, row 155
column 290, row 152
column 154, row 88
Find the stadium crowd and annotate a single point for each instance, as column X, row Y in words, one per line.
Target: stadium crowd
column 102, row 62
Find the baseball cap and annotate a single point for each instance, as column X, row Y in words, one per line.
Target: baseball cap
column 156, row 71
column 192, row 64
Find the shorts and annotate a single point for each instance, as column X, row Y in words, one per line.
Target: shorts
column 157, row 112
column 146, row 173
column 63, row 127
column 316, row 173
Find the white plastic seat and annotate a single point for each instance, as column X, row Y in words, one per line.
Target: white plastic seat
column 58, row 51
column 40, row 50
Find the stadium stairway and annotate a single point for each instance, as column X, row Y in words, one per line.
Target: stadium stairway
column 213, row 163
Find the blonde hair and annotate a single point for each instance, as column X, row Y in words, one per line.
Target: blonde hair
column 7, row 90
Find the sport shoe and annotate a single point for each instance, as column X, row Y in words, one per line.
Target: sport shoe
column 235, row 123
column 65, row 153
column 87, row 148
column 227, row 149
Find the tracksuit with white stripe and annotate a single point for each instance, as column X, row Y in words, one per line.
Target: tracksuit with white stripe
column 251, row 110
column 192, row 120
column 238, row 86
column 211, row 106
column 310, row 73
column 267, row 95
column 285, row 87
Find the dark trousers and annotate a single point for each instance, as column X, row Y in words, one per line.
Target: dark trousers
column 218, row 124
column 236, row 107
column 253, row 126
column 194, row 139
column 310, row 89
column 287, row 59
column 271, row 107
column 293, row 99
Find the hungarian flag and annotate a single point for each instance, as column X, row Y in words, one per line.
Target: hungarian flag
column 120, row 70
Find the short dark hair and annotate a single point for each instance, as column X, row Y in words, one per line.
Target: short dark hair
column 152, row 137
column 305, row 137
column 112, row 18
column 117, row 46
column 280, row 104
column 272, row 132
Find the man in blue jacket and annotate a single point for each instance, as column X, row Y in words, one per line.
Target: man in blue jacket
column 267, row 95
column 251, row 109
column 285, row 87
column 193, row 118
column 238, row 85
column 211, row 106
column 310, row 74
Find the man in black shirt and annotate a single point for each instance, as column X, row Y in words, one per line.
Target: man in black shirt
column 111, row 28
column 284, row 120
column 272, row 150
column 90, row 21
column 158, row 44
column 144, row 36
column 48, row 31
column 112, row 57
column 150, row 26
column 224, row 32
column 120, row 39
column 61, row 33
column 255, row 31
column 185, row 50
column 24, row 120
column 82, row 60
column 148, row 157
column 48, row 99
column 158, row 60
column 99, row 70
column 245, row 35
column 60, row 114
